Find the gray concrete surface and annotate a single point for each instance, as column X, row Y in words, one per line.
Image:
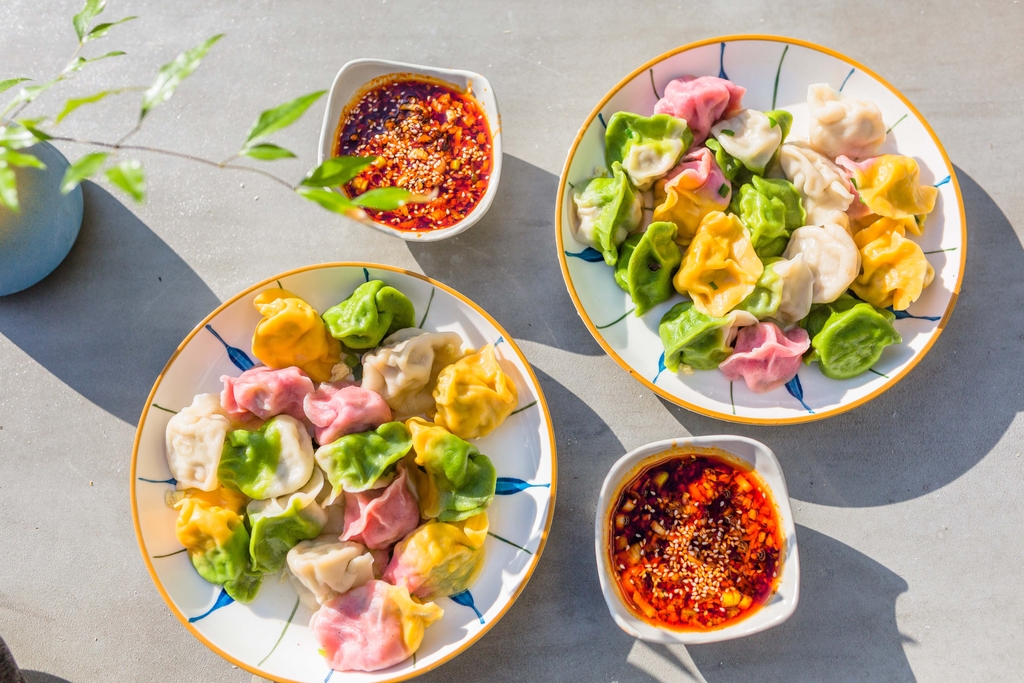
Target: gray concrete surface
column 909, row 508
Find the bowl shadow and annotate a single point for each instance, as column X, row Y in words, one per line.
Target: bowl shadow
column 930, row 428
column 108, row 318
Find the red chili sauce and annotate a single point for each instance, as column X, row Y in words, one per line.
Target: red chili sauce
column 695, row 543
column 427, row 136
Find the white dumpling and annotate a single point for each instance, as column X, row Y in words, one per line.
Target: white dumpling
column 797, row 289
column 195, row 440
column 822, row 186
column 325, row 567
column 753, row 139
column 831, row 255
column 404, row 370
column 842, row 125
column 295, row 460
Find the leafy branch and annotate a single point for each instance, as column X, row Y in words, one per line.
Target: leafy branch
column 127, row 174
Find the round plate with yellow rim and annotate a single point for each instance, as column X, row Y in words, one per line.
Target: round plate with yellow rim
column 776, row 73
column 270, row 636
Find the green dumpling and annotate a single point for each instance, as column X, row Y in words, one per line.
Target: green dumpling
column 700, row 341
column 369, row 314
column 771, row 209
column 608, row 210
column 459, row 481
column 646, row 265
column 356, row 462
column 848, row 336
column 271, row 461
column 646, row 146
column 764, row 301
column 217, row 541
column 732, row 168
column 278, row 524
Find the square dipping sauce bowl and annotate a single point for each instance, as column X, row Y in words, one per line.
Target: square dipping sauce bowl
column 743, row 452
column 359, row 73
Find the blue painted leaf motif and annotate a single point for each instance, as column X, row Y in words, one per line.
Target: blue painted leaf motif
column 590, row 255
column 500, row 339
column 508, row 485
column 366, row 274
column 901, row 315
column 601, row 117
column 943, row 181
column 796, row 390
column 237, row 356
column 172, row 481
column 661, row 368
column 223, row 600
column 329, row 674
column 466, row 600
column 721, row 62
column 846, row 79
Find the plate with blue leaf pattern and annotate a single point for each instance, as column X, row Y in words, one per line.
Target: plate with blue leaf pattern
column 270, row 636
column 776, row 73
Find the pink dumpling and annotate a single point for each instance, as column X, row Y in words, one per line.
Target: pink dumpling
column 360, row 631
column 339, row 409
column 858, row 209
column 765, row 356
column 264, row 392
column 701, row 101
column 379, row 517
column 698, row 171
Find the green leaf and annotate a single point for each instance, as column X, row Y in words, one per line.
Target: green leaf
column 336, row 171
column 127, row 175
column 84, row 167
column 101, row 30
column 80, row 62
column 9, row 188
column 11, row 82
column 77, row 102
column 329, row 199
column 173, row 73
column 13, row 158
column 82, row 20
column 16, row 136
column 281, row 116
column 29, row 93
column 31, row 125
column 383, row 198
column 266, row 152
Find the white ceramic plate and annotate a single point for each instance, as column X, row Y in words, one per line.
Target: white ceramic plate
column 357, row 73
column 761, row 459
column 776, row 72
column 270, row 636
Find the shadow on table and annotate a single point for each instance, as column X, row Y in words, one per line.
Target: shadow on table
column 109, row 317
column 844, row 628
column 40, row 677
column 507, row 262
column 944, row 416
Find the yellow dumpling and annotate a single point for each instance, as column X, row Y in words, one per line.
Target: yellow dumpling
column 474, row 395
column 203, row 527
column 292, row 333
column 679, row 204
column 440, row 559
column 895, row 269
column 719, row 267
column 889, row 185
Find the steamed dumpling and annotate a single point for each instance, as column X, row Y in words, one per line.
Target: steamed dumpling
column 889, row 185
column 325, row 567
column 752, row 137
column 457, row 480
column 379, row 517
column 264, row 392
column 832, row 256
column 371, row 627
column 822, row 186
column 700, row 101
column 797, row 290
column 848, row 336
column 646, row 146
column 195, row 440
column 339, row 409
column 895, row 269
column 607, row 209
column 696, row 340
column 274, row 460
column 690, row 191
column 357, row 462
column 765, row 356
column 842, row 125
column 292, row 333
column 474, row 395
column 279, row 523
column 370, row 313
column 439, row 559
column 404, row 370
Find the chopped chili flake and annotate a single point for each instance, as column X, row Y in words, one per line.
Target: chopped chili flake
column 427, row 136
column 696, row 542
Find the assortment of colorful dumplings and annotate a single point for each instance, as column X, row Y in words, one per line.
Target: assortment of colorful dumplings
column 767, row 238
column 366, row 493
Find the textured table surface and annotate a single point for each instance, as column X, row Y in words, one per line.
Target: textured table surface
column 909, row 508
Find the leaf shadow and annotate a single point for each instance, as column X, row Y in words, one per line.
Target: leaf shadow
column 922, row 433
column 108, row 318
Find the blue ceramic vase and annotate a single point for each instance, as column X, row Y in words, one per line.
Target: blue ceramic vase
column 34, row 241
